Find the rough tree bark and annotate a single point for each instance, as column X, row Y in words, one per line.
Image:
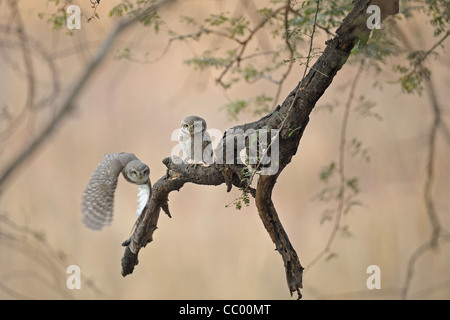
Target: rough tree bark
column 291, row 117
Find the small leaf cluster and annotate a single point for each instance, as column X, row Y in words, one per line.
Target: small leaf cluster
column 244, row 198
column 135, row 8
column 57, row 19
column 259, row 105
column 243, row 59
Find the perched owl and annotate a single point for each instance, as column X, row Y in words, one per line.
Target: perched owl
column 98, row 197
column 195, row 141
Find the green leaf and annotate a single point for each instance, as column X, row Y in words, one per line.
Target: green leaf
column 327, row 172
column 125, row 53
column 238, row 26
column 330, row 256
column 265, row 12
column 353, row 184
column 262, row 104
column 352, row 204
column 207, row 61
column 188, row 20
column 120, row 9
column 235, row 107
column 292, row 131
column 216, row 19
column 327, row 215
column 345, row 232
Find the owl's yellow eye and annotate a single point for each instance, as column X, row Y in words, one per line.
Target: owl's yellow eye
column 185, row 125
column 133, row 172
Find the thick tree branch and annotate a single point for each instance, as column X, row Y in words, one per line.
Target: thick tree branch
column 269, row 217
column 176, row 176
column 291, row 118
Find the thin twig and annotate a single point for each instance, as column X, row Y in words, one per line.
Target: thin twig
column 341, row 168
column 244, row 43
column 47, row 265
column 419, row 252
column 26, row 55
column 297, row 12
column 430, row 169
column 308, row 57
column 291, row 54
column 431, row 50
column 94, row 14
column 437, row 122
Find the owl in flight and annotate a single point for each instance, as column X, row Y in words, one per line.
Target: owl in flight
column 98, row 197
column 195, row 141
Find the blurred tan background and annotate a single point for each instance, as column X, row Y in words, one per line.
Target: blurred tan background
column 208, row 251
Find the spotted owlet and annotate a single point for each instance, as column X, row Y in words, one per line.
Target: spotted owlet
column 98, row 197
column 195, row 141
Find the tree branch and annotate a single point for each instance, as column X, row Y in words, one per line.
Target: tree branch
column 291, row 117
column 437, row 122
column 269, row 217
column 176, row 176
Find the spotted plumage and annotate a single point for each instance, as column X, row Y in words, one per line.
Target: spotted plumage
column 195, row 141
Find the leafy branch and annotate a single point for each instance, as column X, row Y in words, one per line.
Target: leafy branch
column 414, row 75
column 438, row 122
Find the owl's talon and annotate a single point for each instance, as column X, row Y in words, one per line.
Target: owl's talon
column 193, row 165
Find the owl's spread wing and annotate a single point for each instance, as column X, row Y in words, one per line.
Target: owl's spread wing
column 98, row 197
